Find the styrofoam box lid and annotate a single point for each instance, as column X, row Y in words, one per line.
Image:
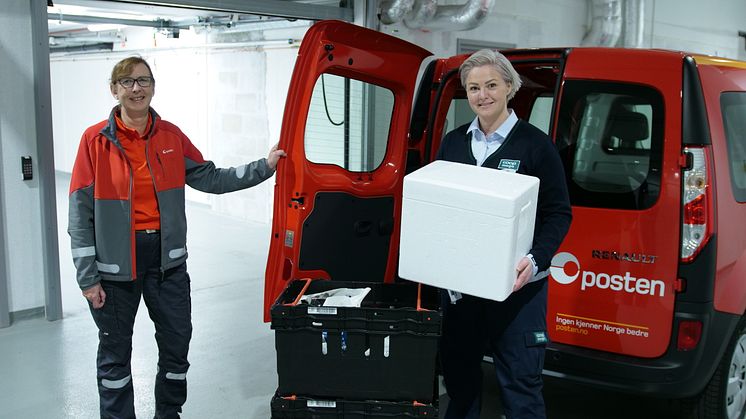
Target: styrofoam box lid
column 480, row 189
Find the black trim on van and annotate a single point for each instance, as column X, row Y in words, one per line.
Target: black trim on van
column 695, row 129
column 422, row 103
column 556, row 102
column 434, row 112
column 699, row 275
column 675, row 374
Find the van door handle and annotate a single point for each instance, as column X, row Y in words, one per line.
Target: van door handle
column 362, row 228
column 386, row 227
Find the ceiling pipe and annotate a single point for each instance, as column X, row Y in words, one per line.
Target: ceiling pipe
column 634, row 23
column 427, row 15
column 422, row 13
column 606, row 27
column 102, row 46
column 76, row 40
column 394, row 11
column 159, row 23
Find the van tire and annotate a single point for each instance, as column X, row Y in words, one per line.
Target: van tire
column 714, row 402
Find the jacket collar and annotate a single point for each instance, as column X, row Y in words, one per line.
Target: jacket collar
column 110, row 129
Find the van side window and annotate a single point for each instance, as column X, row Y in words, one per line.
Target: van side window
column 733, row 106
column 348, row 123
column 610, row 137
column 541, row 112
column 459, row 113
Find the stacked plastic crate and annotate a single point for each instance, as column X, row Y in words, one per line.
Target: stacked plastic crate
column 376, row 360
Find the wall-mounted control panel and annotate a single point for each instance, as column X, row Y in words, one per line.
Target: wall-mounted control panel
column 27, row 168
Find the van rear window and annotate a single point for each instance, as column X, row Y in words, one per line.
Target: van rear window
column 733, row 106
column 348, row 123
column 610, row 137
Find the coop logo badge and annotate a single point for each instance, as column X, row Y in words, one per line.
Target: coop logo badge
column 509, row 165
column 565, row 269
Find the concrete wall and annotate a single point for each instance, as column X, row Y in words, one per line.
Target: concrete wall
column 21, row 200
column 687, row 25
column 710, row 28
column 79, row 86
column 228, row 101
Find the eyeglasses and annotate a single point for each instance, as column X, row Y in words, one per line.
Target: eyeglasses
column 129, row 82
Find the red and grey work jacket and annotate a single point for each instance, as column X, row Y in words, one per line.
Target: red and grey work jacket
column 101, row 217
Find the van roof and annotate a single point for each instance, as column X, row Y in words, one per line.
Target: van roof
column 700, row 59
column 717, row 61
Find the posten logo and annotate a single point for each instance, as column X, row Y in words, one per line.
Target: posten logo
column 560, row 268
column 565, row 269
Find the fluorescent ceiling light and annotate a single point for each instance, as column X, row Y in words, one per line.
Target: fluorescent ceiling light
column 68, row 9
column 100, row 27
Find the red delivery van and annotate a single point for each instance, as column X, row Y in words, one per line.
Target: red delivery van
column 647, row 293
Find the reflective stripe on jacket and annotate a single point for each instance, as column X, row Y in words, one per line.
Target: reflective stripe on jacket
column 101, row 224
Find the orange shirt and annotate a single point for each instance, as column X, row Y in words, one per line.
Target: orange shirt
column 144, row 202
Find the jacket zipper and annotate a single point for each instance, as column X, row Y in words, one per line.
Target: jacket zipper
column 129, row 197
column 155, row 188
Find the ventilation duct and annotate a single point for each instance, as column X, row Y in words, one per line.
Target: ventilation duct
column 606, row 26
column 634, row 23
column 427, row 15
column 424, row 11
column 394, row 11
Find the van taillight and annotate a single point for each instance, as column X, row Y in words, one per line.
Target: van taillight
column 695, row 212
column 690, row 332
column 695, row 201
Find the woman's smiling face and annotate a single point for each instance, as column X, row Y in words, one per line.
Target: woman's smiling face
column 487, row 93
column 135, row 100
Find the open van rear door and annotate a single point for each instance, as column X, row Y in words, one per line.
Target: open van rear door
column 345, row 129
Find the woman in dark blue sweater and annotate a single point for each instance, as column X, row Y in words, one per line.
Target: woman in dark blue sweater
column 514, row 330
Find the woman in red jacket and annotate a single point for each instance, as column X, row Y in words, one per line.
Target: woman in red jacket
column 127, row 225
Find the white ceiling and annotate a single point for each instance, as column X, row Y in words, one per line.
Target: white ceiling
column 75, row 23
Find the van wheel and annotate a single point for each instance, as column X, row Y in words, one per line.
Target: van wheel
column 725, row 394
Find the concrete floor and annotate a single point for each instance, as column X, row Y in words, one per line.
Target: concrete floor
column 47, row 369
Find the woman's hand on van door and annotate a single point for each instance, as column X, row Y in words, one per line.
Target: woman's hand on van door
column 525, row 270
column 274, row 156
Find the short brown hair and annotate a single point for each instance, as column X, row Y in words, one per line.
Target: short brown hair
column 124, row 68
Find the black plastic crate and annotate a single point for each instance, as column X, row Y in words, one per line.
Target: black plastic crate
column 313, row 408
column 384, row 350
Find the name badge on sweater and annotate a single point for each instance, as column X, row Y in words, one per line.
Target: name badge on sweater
column 509, row 165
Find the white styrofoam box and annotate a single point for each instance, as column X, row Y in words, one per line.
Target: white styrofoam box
column 465, row 228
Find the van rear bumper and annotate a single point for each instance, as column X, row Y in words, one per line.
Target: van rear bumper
column 675, row 374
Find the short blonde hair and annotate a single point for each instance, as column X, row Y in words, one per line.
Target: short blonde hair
column 498, row 62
